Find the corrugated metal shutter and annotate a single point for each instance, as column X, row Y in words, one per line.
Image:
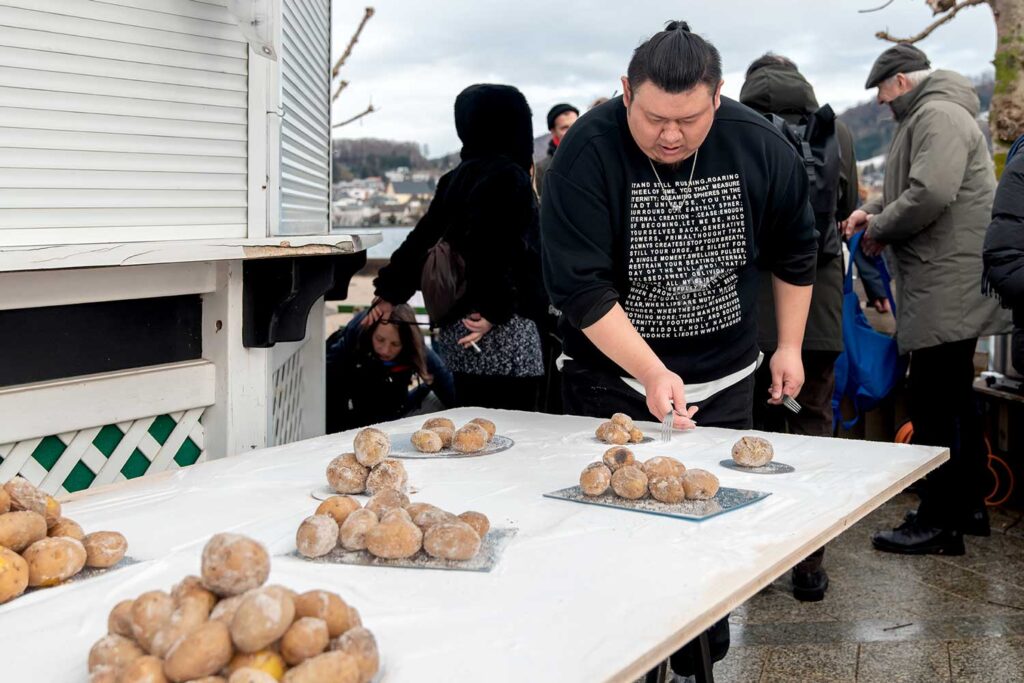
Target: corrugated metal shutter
column 121, row 120
column 305, row 127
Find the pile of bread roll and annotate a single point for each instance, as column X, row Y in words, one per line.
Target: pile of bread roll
column 440, row 432
column 619, row 430
column 663, row 478
column 226, row 626
column 368, row 469
column 752, row 451
column 40, row 548
column 391, row 527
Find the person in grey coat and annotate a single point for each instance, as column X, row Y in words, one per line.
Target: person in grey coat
column 936, row 203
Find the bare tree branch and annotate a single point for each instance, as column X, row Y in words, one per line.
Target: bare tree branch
column 885, row 35
column 876, row 9
column 369, row 110
column 352, row 43
column 341, row 86
column 939, row 6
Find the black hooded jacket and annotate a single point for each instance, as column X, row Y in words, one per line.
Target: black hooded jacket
column 1004, row 241
column 486, row 209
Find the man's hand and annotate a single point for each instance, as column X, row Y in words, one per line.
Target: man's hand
column 857, row 221
column 664, row 390
column 871, row 247
column 787, row 374
column 478, row 326
column 881, row 305
column 378, row 309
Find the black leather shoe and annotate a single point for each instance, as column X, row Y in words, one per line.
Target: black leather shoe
column 810, row 586
column 910, row 538
column 977, row 524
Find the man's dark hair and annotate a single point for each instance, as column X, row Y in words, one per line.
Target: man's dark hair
column 770, row 59
column 675, row 60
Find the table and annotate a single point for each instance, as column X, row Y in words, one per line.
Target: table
column 583, row 593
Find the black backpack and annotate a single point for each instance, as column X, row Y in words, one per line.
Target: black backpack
column 815, row 140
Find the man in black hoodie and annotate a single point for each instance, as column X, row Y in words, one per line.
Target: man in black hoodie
column 774, row 85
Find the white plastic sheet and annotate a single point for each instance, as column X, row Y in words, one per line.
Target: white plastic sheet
column 582, row 593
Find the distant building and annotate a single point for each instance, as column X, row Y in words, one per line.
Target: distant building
column 403, row 191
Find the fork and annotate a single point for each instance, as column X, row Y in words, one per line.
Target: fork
column 666, row 426
column 791, row 403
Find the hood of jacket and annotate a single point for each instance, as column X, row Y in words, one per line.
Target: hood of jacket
column 494, row 120
column 943, row 85
column 778, row 89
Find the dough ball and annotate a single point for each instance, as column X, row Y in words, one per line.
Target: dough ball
column 203, row 652
column 470, row 438
column 622, row 420
column 635, row 435
column 478, row 520
column 371, row 447
column 667, row 489
column 752, row 451
column 233, row 564
column 427, row 441
column 390, row 474
column 394, row 539
column 338, row 507
column 451, row 541
column 329, row 607
column 346, row 475
column 249, row 675
column 663, row 466
column 427, row 515
column 189, row 616
column 395, row 514
column 146, row 669
column 5, row 501
column 267, row 662
column 67, row 527
column 595, row 479
column 353, row 531
column 317, row 536
column 361, row 644
column 336, row 667
column 700, row 484
column 439, row 422
column 629, row 482
column 53, row 560
column 191, row 589
column 609, row 432
column 263, row 617
column 13, row 575
column 446, row 434
column 387, row 500
column 20, row 529
column 25, row 496
column 104, row 549
column 306, row 637
column 150, row 612
column 226, row 608
column 488, row 426
column 120, row 619
column 114, row 651
column 617, row 457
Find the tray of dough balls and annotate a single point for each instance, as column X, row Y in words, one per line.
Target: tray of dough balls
column 620, row 430
column 40, row 548
column 228, row 626
column 660, row 485
column 391, row 531
column 439, row 437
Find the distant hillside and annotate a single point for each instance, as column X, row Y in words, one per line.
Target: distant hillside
column 872, row 124
column 366, row 157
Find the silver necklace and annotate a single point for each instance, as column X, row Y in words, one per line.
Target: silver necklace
column 678, row 208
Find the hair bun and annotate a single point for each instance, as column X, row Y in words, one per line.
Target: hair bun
column 677, row 26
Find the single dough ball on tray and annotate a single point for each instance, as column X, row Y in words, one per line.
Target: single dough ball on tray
column 317, row 536
column 446, row 434
column 427, row 441
column 595, row 479
column 663, row 466
column 609, row 432
column 390, row 474
column 700, row 484
column 617, row 457
column 338, row 507
column 371, row 446
column 439, row 422
column 233, row 564
column 470, row 438
column 451, row 541
column 104, row 549
column 478, row 520
column 488, row 426
column 752, row 451
column 346, row 475
column 355, row 528
column 667, row 489
column 629, row 482
column 394, row 539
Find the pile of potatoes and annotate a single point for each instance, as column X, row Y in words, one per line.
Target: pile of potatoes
column 391, row 527
column 663, row 478
column 39, row 548
column 440, row 432
column 619, row 430
column 368, row 469
column 228, row 627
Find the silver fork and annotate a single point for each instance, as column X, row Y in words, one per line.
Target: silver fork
column 666, row 426
column 791, row 403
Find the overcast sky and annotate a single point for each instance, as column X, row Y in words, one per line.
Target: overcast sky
column 416, row 55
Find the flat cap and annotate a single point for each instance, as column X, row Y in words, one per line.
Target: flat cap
column 901, row 58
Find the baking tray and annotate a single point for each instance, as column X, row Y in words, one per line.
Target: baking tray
column 773, row 467
column 726, row 500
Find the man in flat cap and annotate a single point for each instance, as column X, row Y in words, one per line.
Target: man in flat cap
column 560, row 119
column 936, row 203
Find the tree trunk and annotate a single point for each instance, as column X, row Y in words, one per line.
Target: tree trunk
column 1006, row 116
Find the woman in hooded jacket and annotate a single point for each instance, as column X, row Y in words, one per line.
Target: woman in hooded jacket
column 486, row 210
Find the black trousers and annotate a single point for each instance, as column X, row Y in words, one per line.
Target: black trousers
column 598, row 394
column 493, row 391
column 944, row 413
column 815, row 397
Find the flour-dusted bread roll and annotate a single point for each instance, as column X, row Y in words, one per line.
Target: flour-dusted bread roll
column 478, row 520
column 446, row 434
column 306, row 637
column 263, row 617
column 233, row 564
column 371, row 446
column 104, row 549
column 345, row 474
column 338, row 507
column 355, row 528
column 203, row 652
column 439, row 422
column 609, row 432
column 622, row 420
column 25, row 496
column 13, row 575
column 752, row 451
column 469, row 438
column 394, row 538
column 427, row 441
column 387, row 499
column 595, row 479
column 617, row 457
column 20, row 529
column 629, row 482
column 663, row 466
column 667, row 489
column 329, row 607
column 336, row 667
column 361, row 644
column 54, row 560
column 114, row 651
column 67, row 527
column 390, row 474
column 451, row 541
column 700, row 484
column 317, row 536
column 488, row 426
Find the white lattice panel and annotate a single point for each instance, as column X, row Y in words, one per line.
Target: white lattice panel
column 288, row 399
